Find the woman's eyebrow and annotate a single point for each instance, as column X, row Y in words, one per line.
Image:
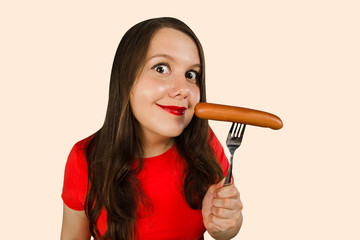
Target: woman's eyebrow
column 162, row 55
column 196, row 66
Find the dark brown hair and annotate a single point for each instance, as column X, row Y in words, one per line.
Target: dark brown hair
column 112, row 152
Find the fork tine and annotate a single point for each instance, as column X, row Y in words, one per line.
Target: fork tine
column 238, row 130
column 232, row 126
column 242, row 131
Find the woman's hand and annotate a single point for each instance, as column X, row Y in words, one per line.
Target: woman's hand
column 221, row 211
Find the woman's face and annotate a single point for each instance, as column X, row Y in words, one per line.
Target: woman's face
column 164, row 95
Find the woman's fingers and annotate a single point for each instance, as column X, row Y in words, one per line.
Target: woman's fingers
column 228, row 198
column 229, row 191
column 223, row 213
column 216, row 223
column 227, row 203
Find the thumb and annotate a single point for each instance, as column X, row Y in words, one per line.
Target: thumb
column 216, row 186
column 220, row 184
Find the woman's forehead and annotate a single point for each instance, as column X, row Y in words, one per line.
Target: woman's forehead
column 173, row 44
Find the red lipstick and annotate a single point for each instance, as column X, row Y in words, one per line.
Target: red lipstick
column 178, row 111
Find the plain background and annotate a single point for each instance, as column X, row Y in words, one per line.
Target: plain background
column 297, row 59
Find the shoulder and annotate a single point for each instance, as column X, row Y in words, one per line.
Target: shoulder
column 75, row 176
column 81, row 145
column 76, row 164
column 77, row 154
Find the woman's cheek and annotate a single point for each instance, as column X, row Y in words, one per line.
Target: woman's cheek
column 196, row 95
column 154, row 89
column 161, row 88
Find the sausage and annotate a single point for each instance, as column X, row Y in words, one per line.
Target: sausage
column 227, row 113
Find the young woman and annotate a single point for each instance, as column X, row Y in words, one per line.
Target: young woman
column 154, row 170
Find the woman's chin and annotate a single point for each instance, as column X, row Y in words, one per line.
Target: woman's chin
column 174, row 133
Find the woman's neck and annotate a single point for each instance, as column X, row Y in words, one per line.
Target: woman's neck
column 155, row 147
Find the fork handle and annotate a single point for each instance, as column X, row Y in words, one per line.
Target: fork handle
column 229, row 172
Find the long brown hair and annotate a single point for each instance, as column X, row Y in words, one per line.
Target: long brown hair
column 112, row 152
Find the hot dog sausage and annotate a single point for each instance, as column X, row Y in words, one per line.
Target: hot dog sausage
column 237, row 114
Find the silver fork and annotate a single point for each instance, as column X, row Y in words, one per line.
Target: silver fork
column 233, row 141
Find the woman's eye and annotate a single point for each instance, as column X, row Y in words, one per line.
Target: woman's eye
column 191, row 75
column 161, row 68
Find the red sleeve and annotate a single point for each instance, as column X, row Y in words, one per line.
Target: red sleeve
column 75, row 177
column 219, row 151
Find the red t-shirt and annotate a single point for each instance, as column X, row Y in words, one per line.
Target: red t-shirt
column 170, row 216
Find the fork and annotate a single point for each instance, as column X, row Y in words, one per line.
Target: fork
column 233, row 141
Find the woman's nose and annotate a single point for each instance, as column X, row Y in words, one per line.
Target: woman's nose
column 179, row 87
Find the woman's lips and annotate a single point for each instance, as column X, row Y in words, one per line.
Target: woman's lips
column 178, row 111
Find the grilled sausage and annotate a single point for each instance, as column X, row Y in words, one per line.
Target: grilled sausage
column 227, row 113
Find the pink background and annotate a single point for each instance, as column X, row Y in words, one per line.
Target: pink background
column 297, row 59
